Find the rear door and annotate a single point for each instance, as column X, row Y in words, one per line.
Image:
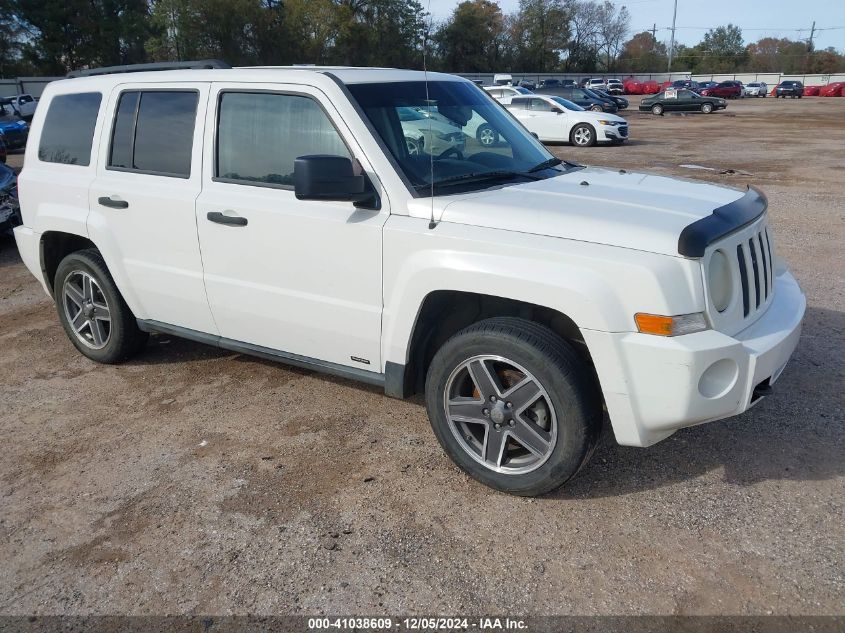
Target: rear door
column 142, row 200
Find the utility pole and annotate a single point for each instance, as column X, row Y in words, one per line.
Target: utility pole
column 810, row 48
column 653, row 36
column 672, row 40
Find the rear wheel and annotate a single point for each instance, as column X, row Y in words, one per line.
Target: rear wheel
column 657, row 109
column 92, row 311
column 583, row 135
column 513, row 405
column 707, row 108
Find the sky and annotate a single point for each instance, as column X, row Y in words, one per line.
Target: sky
column 756, row 18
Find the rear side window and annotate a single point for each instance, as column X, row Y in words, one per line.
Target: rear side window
column 68, row 130
column 153, row 132
column 259, row 135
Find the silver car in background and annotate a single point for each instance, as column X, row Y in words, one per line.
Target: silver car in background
column 756, row 89
column 615, row 87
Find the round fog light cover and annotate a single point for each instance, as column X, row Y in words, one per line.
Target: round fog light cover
column 718, row 379
column 720, row 281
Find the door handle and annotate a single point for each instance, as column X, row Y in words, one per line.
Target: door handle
column 230, row 220
column 108, row 201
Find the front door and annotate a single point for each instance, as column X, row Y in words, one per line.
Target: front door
column 300, row 277
column 547, row 122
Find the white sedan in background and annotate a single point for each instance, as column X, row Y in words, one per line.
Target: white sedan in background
column 756, row 89
column 556, row 119
column 504, row 94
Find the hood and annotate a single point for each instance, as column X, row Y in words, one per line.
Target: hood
column 628, row 210
column 9, row 123
column 589, row 115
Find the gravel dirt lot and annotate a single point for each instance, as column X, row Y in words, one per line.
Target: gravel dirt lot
column 194, row 480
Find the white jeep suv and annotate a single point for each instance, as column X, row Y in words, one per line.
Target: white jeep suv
column 280, row 212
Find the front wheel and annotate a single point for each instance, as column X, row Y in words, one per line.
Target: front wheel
column 486, row 135
column 583, row 135
column 657, row 109
column 706, row 108
column 92, row 311
column 596, row 108
column 414, row 146
column 513, row 405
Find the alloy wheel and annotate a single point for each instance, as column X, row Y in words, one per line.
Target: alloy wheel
column 500, row 414
column 582, row 136
column 86, row 309
column 486, row 136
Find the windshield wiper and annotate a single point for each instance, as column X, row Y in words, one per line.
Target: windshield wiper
column 552, row 162
column 477, row 177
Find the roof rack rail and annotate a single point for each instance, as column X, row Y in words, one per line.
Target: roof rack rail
column 140, row 68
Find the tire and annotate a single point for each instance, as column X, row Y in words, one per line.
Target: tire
column 414, row 146
column 566, row 409
column 596, row 108
column 108, row 340
column 486, row 135
column 657, row 109
column 583, row 135
column 706, row 108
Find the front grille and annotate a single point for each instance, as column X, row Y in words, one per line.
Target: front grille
column 754, row 258
column 623, row 131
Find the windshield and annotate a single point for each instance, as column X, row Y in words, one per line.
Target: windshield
column 568, row 104
column 461, row 136
column 522, row 91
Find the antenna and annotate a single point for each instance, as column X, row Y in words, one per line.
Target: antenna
column 431, row 223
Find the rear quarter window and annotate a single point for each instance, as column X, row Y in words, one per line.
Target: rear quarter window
column 68, row 130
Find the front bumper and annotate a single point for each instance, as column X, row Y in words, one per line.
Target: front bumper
column 612, row 133
column 654, row 386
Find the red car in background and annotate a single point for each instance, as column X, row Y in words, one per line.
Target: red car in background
column 725, row 90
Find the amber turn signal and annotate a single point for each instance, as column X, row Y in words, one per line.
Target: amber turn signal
column 661, row 325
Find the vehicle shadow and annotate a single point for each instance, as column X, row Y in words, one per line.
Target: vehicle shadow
column 796, row 434
column 165, row 349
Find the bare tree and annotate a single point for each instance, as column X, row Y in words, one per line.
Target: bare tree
column 612, row 31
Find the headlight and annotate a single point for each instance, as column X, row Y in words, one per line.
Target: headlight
column 720, row 281
column 612, row 123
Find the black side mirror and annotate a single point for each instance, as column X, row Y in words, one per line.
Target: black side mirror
column 322, row 177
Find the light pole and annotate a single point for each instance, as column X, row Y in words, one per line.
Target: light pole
column 672, row 39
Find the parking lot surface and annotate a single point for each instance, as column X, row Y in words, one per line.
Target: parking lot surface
column 194, row 480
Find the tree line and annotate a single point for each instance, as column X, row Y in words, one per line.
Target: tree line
column 51, row 37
